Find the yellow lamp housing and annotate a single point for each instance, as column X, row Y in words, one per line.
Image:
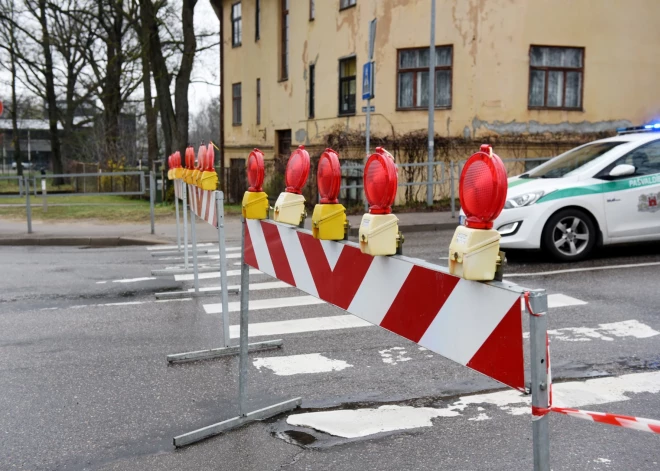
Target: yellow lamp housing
column 178, row 173
column 474, row 253
column 379, row 234
column 194, row 176
column 208, row 180
column 255, row 205
column 329, row 222
column 290, row 209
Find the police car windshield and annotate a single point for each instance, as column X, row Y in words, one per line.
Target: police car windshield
column 575, row 159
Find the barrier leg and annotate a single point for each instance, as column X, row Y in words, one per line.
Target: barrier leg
column 538, row 328
column 152, row 199
column 220, row 212
column 28, row 206
column 194, row 251
column 185, row 224
column 243, row 417
column 178, row 229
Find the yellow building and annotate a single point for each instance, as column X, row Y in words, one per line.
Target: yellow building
column 532, row 70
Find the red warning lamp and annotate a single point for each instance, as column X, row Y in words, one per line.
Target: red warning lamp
column 328, row 177
column 255, row 201
column 483, row 188
column 256, row 170
column 297, row 171
column 329, row 218
column 474, row 252
column 210, row 159
column 380, row 181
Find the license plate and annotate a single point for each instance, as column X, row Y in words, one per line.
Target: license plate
column 461, row 220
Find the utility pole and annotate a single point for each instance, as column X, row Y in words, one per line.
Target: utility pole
column 429, row 171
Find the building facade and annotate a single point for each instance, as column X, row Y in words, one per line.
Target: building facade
column 532, row 68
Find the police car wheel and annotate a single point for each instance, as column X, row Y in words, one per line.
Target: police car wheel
column 569, row 235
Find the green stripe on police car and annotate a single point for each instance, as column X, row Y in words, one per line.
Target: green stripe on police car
column 606, row 187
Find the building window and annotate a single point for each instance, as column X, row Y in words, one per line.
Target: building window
column 346, row 3
column 347, row 85
column 413, row 78
column 311, row 10
column 258, row 101
column 284, row 41
column 257, row 20
column 312, row 86
column 236, row 116
column 556, row 75
column 236, row 25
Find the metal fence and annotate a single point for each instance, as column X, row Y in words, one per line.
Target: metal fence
column 131, row 183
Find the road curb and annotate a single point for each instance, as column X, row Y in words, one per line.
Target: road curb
column 81, row 241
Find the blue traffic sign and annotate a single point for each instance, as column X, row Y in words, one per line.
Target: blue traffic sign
column 368, row 81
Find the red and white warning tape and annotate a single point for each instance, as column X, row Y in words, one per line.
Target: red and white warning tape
column 636, row 423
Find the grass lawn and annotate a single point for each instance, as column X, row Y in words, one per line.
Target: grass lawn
column 99, row 208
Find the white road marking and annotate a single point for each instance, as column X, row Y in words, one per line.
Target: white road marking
column 631, row 328
column 314, row 324
column 394, row 355
column 253, row 286
column 363, row 422
column 125, row 303
column 211, row 275
column 271, row 303
column 300, row 364
column 575, row 270
column 200, row 257
column 174, row 247
column 128, row 280
column 576, row 394
column 560, row 300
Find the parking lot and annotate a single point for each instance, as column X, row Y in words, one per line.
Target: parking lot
column 85, row 383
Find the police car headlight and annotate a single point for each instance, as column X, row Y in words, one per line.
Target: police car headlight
column 523, row 200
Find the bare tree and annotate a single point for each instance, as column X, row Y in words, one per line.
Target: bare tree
column 9, row 43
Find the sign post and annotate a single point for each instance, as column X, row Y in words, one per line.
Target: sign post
column 368, row 78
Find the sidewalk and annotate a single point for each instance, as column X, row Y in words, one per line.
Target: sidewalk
column 109, row 235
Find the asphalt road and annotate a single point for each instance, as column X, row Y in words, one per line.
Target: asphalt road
column 84, row 383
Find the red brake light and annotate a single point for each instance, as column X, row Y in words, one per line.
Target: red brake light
column 255, row 170
column 328, row 177
column 297, row 170
column 380, row 181
column 482, row 188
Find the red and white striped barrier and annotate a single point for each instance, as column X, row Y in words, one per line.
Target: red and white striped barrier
column 636, row 423
column 202, row 203
column 475, row 324
column 178, row 191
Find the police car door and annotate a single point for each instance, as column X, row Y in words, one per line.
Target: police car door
column 632, row 203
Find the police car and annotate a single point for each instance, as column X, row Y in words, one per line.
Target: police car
column 604, row 192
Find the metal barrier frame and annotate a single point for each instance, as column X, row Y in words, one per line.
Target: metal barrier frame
column 93, row 175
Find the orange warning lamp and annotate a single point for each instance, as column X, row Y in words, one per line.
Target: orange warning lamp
column 255, row 201
column 474, row 252
column 190, row 164
column 178, row 170
column 379, row 230
column 208, row 179
column 329, row 218
column 290, row 205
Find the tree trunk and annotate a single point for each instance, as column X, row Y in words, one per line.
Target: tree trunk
column 149, row 109
column 185, row 70
column 161, row 77
column 221, row 143
column 112, row 86
column 15, row 138
column 51, row 99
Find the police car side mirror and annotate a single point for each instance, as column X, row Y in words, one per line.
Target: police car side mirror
column 622, row 170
